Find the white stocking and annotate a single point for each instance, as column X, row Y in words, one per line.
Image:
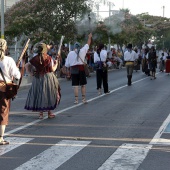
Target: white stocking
column 2, row 131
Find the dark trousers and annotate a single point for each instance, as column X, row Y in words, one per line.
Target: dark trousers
column 102, row 77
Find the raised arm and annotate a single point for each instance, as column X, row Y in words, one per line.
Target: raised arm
column 89, row 39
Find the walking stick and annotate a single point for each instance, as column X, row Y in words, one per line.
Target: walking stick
column 22, row 57
column 59, row 50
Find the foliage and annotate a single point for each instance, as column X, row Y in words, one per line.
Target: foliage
column 47, row 20
column 44, row 19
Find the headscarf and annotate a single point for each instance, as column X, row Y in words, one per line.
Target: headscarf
column 3, row 45
column 77, row 47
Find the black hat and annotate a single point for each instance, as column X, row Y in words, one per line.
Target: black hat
column 129, row 46
column 101, row 46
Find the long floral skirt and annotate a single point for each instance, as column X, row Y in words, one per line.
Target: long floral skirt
column 44, row 94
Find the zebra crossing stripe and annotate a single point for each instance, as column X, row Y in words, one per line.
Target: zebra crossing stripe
column 127, row 156
column 14, row 143
column 157, row 138
column 55, row 156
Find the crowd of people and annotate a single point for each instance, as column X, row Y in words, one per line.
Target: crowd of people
column 44, row 61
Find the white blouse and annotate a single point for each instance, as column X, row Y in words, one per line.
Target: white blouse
column 72, row 59
column 9, row 69
column 130, row 56
column 103, row 56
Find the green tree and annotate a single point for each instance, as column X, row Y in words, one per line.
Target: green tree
column 44, row 19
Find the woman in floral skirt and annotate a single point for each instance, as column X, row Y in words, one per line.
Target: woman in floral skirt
column 44, row 94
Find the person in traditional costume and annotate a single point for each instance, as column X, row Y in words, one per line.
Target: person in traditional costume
column 162, row 63
column 100, row 60
column 10, row 71
column 168, row 63
column 129, row 57
column 152, row 60
column 75, row 61
column 137, row 62
column 44, row 94
column 145, row 67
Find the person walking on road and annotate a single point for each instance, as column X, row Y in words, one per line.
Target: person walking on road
column 44, row 94
column 100, row 60
column 10, row 71
column 75, row 61
column 152, row 60
column 129, row 57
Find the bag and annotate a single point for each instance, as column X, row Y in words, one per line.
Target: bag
column 2, row 86
column 86, row 69
column 11, row 90
column 99, row 64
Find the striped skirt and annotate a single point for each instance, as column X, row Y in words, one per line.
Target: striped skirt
column 44, row 94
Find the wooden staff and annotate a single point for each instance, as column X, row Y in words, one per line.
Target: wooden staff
column 59, row 50
column 22, row 57
column 23, row 52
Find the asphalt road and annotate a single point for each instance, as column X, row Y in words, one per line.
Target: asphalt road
column 125, row 130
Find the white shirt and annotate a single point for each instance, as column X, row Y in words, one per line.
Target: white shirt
column 130, row 56
column 103, row 56
column 164, row 57
column 9, row 69
column 72, row 58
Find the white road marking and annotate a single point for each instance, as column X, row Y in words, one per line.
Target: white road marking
column 55, row 156
column 126, row 157
column 14, row 143
column 156, row 139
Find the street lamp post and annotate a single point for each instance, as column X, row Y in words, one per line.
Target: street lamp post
column 109, row 4
column 109, row 21
column 163, row 10
column 2, row 19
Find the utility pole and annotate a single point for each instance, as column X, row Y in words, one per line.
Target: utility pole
column 163, row 10
column 163, row 31
column 109, row 21
column 2, row 19
column 123, row 4
column 110, row 4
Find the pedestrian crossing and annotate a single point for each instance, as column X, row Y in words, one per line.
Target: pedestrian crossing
column 126, row 157
column 55, row 156
column 14, row 143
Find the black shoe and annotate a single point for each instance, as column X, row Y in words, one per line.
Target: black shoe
column 107, row 92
